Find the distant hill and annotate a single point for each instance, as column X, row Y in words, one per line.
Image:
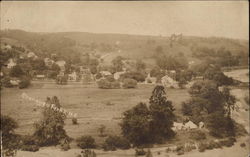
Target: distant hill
column 66, row 44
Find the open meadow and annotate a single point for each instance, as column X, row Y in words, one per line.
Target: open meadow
column 93, row 106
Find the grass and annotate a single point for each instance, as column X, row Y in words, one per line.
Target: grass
column 88, row 101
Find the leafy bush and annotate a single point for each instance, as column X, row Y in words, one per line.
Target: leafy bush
column 106, row 84
column 25, row 82
column 101, row 130
column 6, row 82
column 229, row 142
column 74, row 121
column 212, row 144
column 140, row 152
column 202, row 147
column 180, row 149
column 113, row 142
column 86, row 142
column 129, row 83
column 65, row 146
column 28, row 140
column 243, row 145
column 62, row 80
column 138, row 76
column 197, row 135
column 31, row 148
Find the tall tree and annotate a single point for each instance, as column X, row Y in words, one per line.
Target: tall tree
column 162, row 114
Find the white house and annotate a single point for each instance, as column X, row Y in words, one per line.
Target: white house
column 177, row 126
column 169, row 82
column 190, row 125
column 11, row 63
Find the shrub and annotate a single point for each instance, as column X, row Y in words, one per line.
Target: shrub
column 243, row 145
column 98, row 76
column 113, row 142
column 115, row 85
column 87, row 153
column 227, row 142
column 65, row 146
column 180, row 149
column 28, row 140
column 202, row 147
column 246, row 98
column 180, row 152
column 197, row 135
column 31, row 148
column 74, row 121
column 105, row 84
column 62, row 80
column 24, row 83
column 138, row 76
column 129, row 83
column 140, row 152
column 149, row 154
column 86, row 142
column 149, row 81
column 101, row 130
column 6, row 82
column 212, row 144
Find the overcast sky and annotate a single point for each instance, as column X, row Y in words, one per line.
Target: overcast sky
column 215, row 18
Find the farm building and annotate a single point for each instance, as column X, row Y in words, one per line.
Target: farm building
column 41, row 77
column 190, row 125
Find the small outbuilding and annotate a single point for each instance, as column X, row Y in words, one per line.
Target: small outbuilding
column 190, row 125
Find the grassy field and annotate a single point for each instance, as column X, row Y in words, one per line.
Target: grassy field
column 93, row 106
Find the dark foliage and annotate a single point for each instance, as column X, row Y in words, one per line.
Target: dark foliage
column 86, row 142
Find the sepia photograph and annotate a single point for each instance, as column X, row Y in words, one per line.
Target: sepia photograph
column 124, row 78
